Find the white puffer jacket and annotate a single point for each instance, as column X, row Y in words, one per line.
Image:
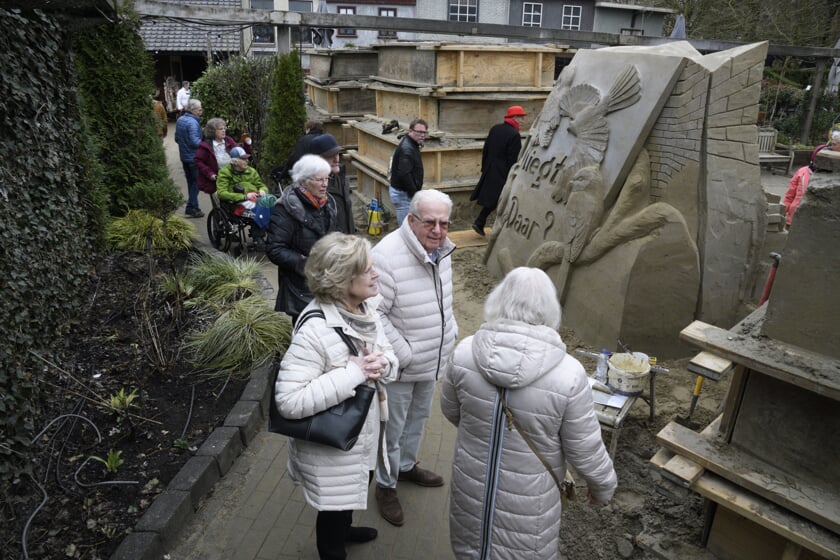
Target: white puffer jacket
column 503, row 500
column 315, row 374
column 416, row 305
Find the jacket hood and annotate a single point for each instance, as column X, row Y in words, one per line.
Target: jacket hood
column 513, row 354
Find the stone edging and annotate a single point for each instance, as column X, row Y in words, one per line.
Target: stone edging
column 158, row 529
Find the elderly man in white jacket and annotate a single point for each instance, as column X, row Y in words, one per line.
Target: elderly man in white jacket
column 504, row 502
column 415, row 281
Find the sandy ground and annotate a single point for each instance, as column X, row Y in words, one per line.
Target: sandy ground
column 640, row 522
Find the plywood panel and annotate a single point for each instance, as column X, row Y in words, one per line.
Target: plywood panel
column 402, row 106
column 407, row 64
column 790, row 427
column 735, row 538
column 356, row 101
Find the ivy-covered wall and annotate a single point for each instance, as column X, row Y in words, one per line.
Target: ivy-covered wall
column 79, row 139
column 49, row 221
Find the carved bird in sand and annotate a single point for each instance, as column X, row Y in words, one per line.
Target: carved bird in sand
column 587, row 110
column 584, row 209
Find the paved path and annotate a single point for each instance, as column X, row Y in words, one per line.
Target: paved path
column 256, row 513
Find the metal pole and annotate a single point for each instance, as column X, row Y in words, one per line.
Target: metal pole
column 816, row 91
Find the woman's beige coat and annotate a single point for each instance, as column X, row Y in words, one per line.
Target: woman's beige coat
column 315, row 374
column 504, row 504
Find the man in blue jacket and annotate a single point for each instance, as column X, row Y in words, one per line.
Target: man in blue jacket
column 188, row 137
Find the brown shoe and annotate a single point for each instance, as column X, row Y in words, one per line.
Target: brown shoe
column 389, row 505
column 421, row 477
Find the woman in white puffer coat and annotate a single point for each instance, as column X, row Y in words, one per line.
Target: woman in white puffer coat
column 504, row 504
column 318, row 372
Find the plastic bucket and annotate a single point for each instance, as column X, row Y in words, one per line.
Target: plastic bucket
column 627, row 374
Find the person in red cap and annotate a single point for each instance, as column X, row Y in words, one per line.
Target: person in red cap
column 500, row 152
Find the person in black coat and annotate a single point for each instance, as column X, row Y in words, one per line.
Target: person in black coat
column 305, row 213
column 327, row 147
column 500, row 152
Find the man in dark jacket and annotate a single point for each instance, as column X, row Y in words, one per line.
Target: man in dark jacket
column 500, row 152
column 406, row 168
column 326, row 146
column 312, row 129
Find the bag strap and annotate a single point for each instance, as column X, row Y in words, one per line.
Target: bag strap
column 567, row 487
column 512, row 421
column 320, row 314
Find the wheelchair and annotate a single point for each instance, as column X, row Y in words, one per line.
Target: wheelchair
column 226, row 230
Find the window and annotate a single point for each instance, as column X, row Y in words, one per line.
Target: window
column 300, row 35
column 347, row 31
column 263, row 34
column 463, row 10
column 384, row 33
column 532, row 14
column 571, row 17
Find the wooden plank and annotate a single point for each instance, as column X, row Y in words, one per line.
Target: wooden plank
column 468, row 238
column 661, row 457
column 769, row 515
column 682, row 471
column 814, row 501
column 732, row 401
column 807, row 369
column 733, row 537
column 710, row 365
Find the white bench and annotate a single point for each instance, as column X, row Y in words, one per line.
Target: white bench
column 767, row 153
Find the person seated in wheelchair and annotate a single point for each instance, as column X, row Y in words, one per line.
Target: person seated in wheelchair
column 240, row 186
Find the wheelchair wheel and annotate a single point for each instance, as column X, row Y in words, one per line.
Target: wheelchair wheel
column 217, row 229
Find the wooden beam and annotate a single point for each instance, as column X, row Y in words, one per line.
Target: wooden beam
column 710, row 365
column 814, row 500
column 804, row 368
column 769, row 515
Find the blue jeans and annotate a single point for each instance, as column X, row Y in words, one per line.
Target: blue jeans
column 409, row 406
column 191, row 173
column 401, row 202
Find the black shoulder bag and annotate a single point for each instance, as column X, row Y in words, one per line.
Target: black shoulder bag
column 338, row 426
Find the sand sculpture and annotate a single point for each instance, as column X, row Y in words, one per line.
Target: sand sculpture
column 638, row 191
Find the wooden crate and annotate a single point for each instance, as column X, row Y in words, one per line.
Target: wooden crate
column 341, row 99
column 460, row 65
column 342, row 64
column 459, row 114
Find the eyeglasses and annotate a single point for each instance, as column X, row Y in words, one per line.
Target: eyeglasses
column 430, row 224
column 420, row 132
column 320, row 179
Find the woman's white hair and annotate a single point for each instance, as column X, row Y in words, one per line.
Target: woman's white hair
column 527, row 295
column 308, row 166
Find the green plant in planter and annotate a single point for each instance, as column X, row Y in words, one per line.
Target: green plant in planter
column 112, row 462
column 139, row 230
column 219, row 281
column 246, row 336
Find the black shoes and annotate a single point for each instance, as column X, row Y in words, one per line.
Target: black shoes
column 194, row 213
column 478, row 230
column 361, row 534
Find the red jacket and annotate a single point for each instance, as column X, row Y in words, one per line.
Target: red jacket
column 208, row 167
column 793, row 196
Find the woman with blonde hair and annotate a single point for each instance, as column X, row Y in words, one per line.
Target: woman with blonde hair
column 319, row 371
column 505, row 502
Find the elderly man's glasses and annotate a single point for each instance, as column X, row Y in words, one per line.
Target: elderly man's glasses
column 430, row 224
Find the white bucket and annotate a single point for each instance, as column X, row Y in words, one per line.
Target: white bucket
column 627, row 373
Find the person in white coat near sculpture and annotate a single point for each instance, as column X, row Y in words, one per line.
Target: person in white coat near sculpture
column 504, row 504
column 318, row 372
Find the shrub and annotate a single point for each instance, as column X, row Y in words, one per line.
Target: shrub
column 246, row 336
column 142, row 231
column 237, row 91
column 287, row 112
column 219, row 281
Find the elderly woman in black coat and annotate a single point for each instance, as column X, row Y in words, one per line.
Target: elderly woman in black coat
column 305, row 213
